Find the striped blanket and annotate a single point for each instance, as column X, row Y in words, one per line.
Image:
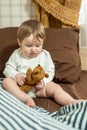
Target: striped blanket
column 15, row 115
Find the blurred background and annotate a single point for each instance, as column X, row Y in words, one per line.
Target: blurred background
column 14, row 12
column 66, row 13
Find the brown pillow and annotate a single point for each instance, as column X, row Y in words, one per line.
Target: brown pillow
column 8, row 42
column 62, row 43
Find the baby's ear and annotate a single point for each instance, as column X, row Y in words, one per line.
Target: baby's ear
column 19, row 43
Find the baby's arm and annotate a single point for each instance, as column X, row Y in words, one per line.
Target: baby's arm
column 11, row 66
column 20, row 78
column 49, row 68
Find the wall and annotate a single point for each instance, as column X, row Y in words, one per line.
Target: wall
column 14, row 12
column 83, row 24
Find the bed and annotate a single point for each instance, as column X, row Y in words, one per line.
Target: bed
column 71, row 73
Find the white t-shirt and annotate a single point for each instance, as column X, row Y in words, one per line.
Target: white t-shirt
column 17, row 63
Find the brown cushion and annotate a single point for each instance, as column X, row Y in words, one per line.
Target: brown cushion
column 8, row 42
column 63, row 46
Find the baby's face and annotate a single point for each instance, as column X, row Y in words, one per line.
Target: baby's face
column 31, row 47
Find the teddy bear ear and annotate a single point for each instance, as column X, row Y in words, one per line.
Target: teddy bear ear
column 46, row 75
column 29, row 71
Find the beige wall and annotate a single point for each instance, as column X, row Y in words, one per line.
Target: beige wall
column 14, row 12
column 83, row 54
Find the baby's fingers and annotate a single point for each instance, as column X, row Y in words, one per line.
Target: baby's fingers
column 21, row 82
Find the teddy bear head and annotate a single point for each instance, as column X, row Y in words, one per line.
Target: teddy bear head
column 35, row 76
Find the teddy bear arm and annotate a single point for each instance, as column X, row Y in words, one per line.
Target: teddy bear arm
column 46, row 75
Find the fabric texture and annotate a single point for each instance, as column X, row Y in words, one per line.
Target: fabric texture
column 63, row 46
column 14, row 115
column 58, row 13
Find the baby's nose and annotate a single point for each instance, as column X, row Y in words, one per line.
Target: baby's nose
column 33, row 48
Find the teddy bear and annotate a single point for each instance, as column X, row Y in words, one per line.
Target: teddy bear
column 33, row 77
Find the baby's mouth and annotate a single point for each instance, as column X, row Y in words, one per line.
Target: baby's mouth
column 33, row 54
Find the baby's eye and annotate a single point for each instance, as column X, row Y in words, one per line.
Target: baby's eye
column 29, row 45
column 38, row 45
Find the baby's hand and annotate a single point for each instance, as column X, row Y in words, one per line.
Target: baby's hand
column 40, row 85
column 20, row 78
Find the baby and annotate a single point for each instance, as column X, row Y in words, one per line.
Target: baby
column 30, row 37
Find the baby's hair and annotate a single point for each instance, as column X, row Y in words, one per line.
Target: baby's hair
column 31, row 27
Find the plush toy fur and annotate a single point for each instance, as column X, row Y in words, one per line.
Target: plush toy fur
column 33, row 77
